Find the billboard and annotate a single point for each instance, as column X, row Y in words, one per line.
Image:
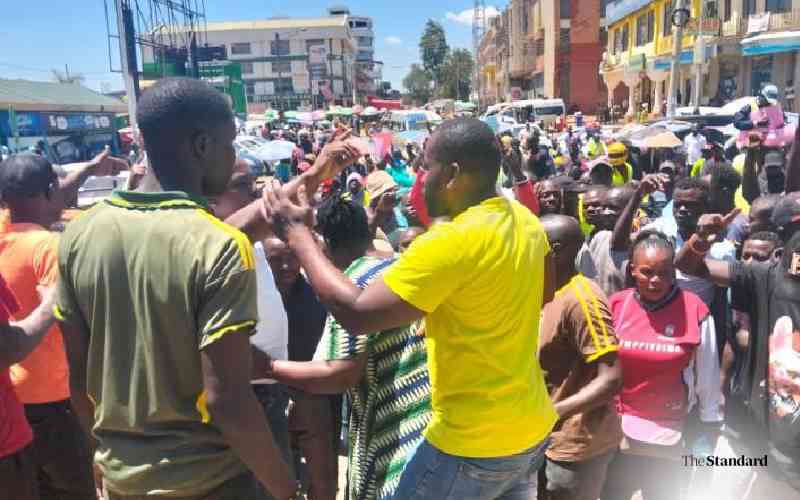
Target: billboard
column 318, row 62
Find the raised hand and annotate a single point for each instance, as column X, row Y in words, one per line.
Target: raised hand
column 711, row 226
column 336, row 155
column 652, row 183
column 105, row 164
column 282, row 213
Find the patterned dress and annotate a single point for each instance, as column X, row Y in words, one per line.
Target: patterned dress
column 391, row 405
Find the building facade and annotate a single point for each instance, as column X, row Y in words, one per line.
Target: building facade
column 544, row 48
column 751, row 43
column 289, row 63
column 369, row 72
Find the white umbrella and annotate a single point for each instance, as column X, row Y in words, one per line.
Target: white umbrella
column 276, row 150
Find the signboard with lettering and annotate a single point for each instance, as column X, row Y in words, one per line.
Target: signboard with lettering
column 74, row 122
column 710, row 27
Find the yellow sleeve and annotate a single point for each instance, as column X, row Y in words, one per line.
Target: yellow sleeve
column 430, row 270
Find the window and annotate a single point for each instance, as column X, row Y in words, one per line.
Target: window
column 247, row 68
column 282, row 66
column 525, row 16
column 362, row 24
column 365, row 41
column 779, row 5
column 563, row 40
column 644, row 29
column 364, row 55
column 565, row 7
column 617, row 47
column 284, row 86
column 727, row 10
column 250, row 90
column 279, row 47
column 238, row 49
column 749, row 7
column 668, row 8
column 626, row 37
column 315, row 42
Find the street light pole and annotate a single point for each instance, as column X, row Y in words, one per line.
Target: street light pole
column 677, row 47
column 698, row 65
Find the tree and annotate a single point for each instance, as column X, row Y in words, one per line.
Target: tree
column 418, row 84
column 456, row 75
column 67, row 77
column 433, row 49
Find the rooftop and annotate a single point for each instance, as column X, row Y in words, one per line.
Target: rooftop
column 280, row 23
column 28, row 95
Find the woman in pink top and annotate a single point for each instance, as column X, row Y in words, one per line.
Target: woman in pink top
column 670, row 369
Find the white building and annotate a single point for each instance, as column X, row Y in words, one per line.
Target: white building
column 288, row 63
column 369, row 71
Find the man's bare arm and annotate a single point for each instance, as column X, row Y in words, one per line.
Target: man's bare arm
column 18, row 339
column 598, row 392
column 234, row 409
column 320, row 377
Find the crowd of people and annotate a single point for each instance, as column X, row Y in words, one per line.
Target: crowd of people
column 482, row 316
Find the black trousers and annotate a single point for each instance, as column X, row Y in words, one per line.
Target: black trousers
column 60, row 452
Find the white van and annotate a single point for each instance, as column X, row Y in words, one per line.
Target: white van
column 546, row 110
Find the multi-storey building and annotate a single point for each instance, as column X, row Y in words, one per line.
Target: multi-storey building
column 289, row 63
column 544, row 48
column 756, row 42
column 369, row 72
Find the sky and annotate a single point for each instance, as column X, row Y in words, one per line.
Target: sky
column 37, row 36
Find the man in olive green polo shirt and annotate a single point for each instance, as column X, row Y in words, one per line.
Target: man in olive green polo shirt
column 157, row 301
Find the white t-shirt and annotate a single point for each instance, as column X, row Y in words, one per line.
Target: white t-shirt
column 272, row 331
column 694, row 147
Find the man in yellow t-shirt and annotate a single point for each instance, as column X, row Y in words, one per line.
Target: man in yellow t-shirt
column 479, row 281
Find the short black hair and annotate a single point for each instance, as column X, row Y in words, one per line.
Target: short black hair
column 175, row 108
column 342, row 223
column 652, row 239
column 726, row 176
column 768, row 236
column 470, row 143
column 693, row 183
column 25, row 175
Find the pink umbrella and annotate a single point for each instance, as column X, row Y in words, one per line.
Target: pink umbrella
column 318, row 115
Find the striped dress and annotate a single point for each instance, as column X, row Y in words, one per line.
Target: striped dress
column 391, row 405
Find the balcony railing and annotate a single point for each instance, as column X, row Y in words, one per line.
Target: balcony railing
column 784, row 20
column 737, row 24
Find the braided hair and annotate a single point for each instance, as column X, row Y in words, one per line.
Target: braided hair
column 343, row 224
column 648, row 239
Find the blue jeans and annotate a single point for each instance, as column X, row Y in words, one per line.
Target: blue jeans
column 435, row 475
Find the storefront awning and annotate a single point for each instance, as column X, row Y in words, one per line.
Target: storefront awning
column 771, row 43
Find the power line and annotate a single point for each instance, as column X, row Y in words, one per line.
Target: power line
column 49, row 71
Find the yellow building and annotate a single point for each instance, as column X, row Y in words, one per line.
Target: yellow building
column 757, row 42
column 636, row 64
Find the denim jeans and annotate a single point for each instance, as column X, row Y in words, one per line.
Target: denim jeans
column 432, row 474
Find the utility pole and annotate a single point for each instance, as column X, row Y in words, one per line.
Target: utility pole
column 700, row 41
column 677, row 48
column 127, row 55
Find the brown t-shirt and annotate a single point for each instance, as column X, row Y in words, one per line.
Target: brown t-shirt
column 576, row 329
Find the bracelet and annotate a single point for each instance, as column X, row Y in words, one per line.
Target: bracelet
column 298, row 494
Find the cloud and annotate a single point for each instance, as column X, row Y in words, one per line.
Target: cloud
column 393, row 40
column 465, row 16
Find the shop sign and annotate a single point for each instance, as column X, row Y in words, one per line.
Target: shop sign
column 709, row 27
column 637, row 63
column 74, row 122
